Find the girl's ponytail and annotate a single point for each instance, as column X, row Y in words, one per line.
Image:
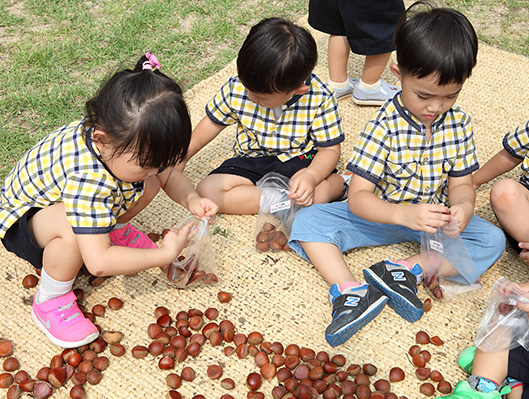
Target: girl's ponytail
column 143, row 111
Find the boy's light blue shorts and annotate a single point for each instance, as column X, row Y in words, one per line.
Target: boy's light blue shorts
column 334, row 223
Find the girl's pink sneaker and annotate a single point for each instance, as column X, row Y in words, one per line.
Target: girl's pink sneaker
column 128, row 236
column 63, row 322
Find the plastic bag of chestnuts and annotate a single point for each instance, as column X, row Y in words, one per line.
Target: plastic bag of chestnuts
column 196, row 264
column 276, row 213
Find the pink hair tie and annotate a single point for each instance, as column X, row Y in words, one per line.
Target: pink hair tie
column 152, row 62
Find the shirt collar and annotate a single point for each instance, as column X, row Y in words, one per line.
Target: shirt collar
column 411, row 119
column 296, row 97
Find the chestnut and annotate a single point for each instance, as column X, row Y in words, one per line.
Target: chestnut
column 253, row 381
column 115, row 303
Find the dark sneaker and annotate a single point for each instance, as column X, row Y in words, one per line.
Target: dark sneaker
column 351, row 311
column 400, row 285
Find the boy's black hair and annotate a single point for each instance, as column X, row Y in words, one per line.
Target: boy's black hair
column 276, row 57
column 432, row 40
column 143, row 112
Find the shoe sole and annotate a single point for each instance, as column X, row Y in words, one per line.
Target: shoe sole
column 350, row 329
column 58, row 342
column 397, row 302
column 367, row 102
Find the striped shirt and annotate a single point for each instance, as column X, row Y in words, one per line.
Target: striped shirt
column 392, row 152
column 306, row 121
column 516, row 143
column 66, row 167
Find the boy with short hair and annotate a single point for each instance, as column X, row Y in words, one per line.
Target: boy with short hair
column 415, row 155
column 287, row 122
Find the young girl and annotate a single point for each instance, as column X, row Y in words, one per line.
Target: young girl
column 68, row 201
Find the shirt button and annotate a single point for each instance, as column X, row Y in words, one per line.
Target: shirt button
column 428, row 188
column 425, row 159
column 274, row 133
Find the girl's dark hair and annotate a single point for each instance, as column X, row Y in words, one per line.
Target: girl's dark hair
column 276, row 57
column 432, row 40
column 143, row 112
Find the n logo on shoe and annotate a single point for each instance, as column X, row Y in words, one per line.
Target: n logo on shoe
column 398, row 276
column 352, row 301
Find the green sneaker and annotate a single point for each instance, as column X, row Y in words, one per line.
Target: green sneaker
column 466, row 359
column 464, row 391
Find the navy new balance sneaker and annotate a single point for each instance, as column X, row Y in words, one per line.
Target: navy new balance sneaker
column 352, row 310
column 400, row 285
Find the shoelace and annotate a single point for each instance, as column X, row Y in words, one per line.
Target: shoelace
column 67, row 312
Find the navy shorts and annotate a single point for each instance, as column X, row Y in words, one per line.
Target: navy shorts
column 518, row 368
column 18, row 240
column 254, row 169
column 368, row 24
column 512, row 242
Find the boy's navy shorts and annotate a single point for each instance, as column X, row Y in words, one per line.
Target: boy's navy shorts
column 512, row 242
column 518, row 368
column 368, row 24
column 18, row 240
column 254, row 169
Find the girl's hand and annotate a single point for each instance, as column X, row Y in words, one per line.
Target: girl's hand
column 176, row 240
column 203, row 207
column 425, row 217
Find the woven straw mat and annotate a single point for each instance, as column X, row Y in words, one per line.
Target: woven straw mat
column 279, row 294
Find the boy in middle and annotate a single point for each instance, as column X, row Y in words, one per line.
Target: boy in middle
column 287, row 122
column 412, row 166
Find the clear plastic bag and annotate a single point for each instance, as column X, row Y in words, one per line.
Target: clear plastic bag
column 196, row 264
column 448, row 267
column 276, row 213
column 503, row 325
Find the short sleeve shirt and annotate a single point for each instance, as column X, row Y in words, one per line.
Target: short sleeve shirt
column 306, row 121
column 516, row 143
column 66, row 167
column 392, row 152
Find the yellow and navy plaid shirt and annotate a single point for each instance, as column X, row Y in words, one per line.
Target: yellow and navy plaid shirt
column 516, row 143
column 305, row 121
column 64, row 167
column 392, row 152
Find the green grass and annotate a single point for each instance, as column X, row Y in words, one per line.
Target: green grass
column 54, row 54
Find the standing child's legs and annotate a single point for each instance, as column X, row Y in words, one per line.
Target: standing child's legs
column 338, row 57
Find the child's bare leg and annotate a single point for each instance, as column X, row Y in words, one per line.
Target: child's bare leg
column 491, row 365
column 329, row 261
column 51, row 230
column 338, row 56
column 233, row 194
column 151, row 188
column 55, row 309
column 329, row 189
column 374, row 66
column 516, row 392
column 510, row 202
